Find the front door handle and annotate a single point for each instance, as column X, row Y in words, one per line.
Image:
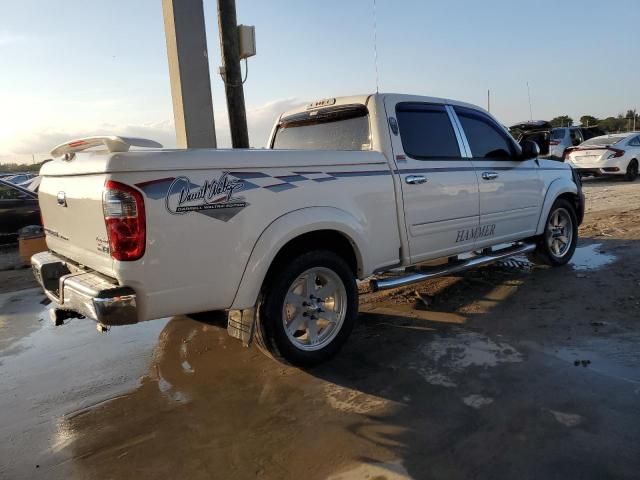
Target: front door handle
column 415, row 179
column 489, row 175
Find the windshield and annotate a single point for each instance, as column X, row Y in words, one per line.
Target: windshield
column 558, row 133
column 345, row 127
column 606, row 141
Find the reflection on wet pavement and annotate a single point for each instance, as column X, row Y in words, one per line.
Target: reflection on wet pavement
column 48, row 372
column 232, row 411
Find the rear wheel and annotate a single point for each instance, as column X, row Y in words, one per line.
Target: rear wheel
column 308, row 309
column 556, row 245
column 632, row 171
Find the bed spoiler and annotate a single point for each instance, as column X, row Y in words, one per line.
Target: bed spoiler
column 112, row 142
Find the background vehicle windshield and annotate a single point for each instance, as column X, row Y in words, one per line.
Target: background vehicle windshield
column 339, row 128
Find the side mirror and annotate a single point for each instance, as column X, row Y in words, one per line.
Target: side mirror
column 530, row 149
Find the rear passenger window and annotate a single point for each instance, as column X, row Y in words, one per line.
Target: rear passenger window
column 426, row 131
column 486, row 139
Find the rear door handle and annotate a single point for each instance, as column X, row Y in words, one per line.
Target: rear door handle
column 415, row 179
column 489, row 175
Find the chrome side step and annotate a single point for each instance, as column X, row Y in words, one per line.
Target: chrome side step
column 451, row 268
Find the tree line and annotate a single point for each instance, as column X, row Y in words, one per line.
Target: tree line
column 20, row 167
column 621, row 123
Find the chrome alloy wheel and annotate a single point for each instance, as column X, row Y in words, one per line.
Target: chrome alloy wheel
column 314, row 308
column 559, row 234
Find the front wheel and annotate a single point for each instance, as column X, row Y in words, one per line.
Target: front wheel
column 308, row 309
column 556, row 245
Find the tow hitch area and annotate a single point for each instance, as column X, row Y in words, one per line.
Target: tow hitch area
column 58, row 316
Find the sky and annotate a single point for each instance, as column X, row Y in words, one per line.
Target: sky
column 71, row 68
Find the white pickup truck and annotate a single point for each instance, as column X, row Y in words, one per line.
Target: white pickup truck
column 348, row 188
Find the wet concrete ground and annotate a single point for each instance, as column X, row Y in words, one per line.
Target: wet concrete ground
column 505, row 372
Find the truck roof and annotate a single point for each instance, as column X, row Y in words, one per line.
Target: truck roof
column 364, row 99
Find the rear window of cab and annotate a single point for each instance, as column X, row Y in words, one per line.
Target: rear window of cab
column 558, row 133
column 343, row 127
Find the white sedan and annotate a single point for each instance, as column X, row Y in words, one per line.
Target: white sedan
column 617, row 154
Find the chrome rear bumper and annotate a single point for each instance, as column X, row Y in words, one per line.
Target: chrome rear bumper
column 84, row 292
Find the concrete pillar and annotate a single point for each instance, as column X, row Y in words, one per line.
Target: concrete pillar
column 189, row 72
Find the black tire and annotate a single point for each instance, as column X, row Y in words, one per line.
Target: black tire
column 544, row 253
column 632, row 171
column 271, row 334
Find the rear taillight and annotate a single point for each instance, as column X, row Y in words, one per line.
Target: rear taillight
column 616, row 153
column 554, row 142
column 567, row 151
column 123, row 208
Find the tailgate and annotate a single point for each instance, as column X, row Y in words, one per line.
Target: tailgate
column 73, row 220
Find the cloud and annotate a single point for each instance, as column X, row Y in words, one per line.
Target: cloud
column 40, row 140
column 260, row 120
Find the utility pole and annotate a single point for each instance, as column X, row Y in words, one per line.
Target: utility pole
column 489, row 101
column 189, row 73
column 232, row 73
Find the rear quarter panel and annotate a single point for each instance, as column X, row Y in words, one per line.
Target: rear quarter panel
column 195, row 260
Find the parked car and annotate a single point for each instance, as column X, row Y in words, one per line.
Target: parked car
column 349, row 188
column 19, row 178
column 32, row 184
column 538, row 131
column 566, row 137
column 617, row 154
column 18, row 208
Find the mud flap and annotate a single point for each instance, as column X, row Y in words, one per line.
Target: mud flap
column 241, row 324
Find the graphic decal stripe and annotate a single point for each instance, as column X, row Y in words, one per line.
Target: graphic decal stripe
column 144, row 185
column 468, row 169
column 156, row 189
column 280, row 187
column 324, row 179
column 249, row 175
column 291, row 178
column 363, row 173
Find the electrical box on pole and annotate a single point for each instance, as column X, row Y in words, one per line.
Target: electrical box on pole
column 246, row 41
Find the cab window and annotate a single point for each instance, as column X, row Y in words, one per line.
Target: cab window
column 426, row 131
column 486, row 138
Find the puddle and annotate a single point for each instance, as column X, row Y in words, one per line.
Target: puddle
column 477, row 401
column 567, row 419
column 587, row 257
column 448, row 356
column 618, row 364
column 591, row 257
